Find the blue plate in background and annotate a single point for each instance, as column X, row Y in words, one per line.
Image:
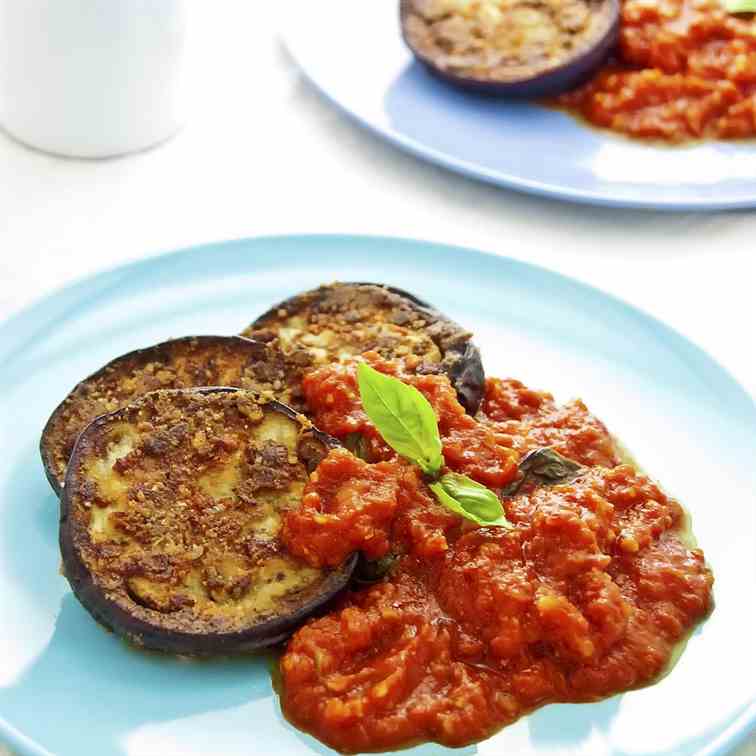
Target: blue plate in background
column 68, row 687
column 353, row 53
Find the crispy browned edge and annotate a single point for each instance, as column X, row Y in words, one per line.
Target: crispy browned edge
column 548, row 83
column 464, row 365
column 144, row 355
column 146, row 635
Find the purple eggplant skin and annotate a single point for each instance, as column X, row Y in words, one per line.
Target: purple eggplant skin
column 462, row 360
column 465, row 364
column 50, row 447
column 144, row 634
column 549, row 83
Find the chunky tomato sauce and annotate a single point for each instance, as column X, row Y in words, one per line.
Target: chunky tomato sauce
column 586, row 596
column 523, row 420
column 350, row 505
column 685, row 69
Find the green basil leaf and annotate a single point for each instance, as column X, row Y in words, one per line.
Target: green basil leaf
column 470, row 500
column 403, row 417
column 474, row 497
column 740, row 6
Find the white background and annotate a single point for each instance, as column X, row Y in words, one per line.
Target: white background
column 262, row 154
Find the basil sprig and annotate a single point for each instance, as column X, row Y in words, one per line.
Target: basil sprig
column 407, row 423
column 740, row 6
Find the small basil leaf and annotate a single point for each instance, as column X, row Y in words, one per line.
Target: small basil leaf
column 474, row 497
column 546, row 467
column 470, row 500
column 403, row 417
column 371, row 571
column 549, row 464
column 740, row 6
column 356, row 443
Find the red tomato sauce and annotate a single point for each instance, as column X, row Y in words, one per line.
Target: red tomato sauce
column 523, row 420
column 685, row 69
column 350, row 505
column 584, row 597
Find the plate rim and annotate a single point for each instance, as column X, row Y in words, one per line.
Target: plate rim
column 726, row 740
column 496, row 178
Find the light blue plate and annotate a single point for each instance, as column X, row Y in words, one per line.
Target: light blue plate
column 68, row 687
column 353, row 53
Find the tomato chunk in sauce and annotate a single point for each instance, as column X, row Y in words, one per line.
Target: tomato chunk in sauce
column 586, row 596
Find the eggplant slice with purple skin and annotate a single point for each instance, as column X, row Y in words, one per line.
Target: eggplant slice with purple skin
column 344, row 319
column 171, row 515
column 529, row 49
column 188, row 362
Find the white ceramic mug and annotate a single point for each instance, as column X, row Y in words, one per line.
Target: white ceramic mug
column 91, row 78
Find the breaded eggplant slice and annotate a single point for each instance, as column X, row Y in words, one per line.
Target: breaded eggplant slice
column 188, row 362
column 538, row 48
column 170, row 521
column 344, row 319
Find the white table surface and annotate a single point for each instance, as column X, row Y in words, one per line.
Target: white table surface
column 263, row 154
